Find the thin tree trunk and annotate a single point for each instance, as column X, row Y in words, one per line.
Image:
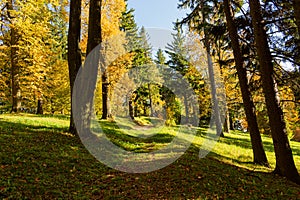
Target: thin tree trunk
column 15, row 82
column 215, row 101
column 105, row 99
column 296, row 5
column 40, row 107
column 94, row 29
column 150, row 98
column 95, row 39
column 131, row 109
column 259, row 154
column 74, row 51
column 285, row 165
column 226, row 125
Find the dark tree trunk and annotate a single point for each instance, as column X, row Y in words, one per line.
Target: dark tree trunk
column 95, row 39
column 226, row 125
column 285, row 165
column 94, row 29
column 40, row 107
column 231, row 123
column 105, row 100
column 296, row 5
column 150, row 98
column 15, row 82
column 74, row 52
column 131, row 109
column 259, row 154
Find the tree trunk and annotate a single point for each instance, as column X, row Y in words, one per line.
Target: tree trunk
column 226, row 125
column 285, row 165
column 15, row 82
column 131, row 109
column 296, row 5
column 74, row 51
column 95, row 39
column 150, row 99
column 215, row 101
column 105, row 99
column 40, row 107
column 259, row 154
column 94, row 29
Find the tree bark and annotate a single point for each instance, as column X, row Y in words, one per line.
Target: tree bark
column 285, row 165
column 215, row 101
column 131, row 109
column 94, row 29
column 95, row 39
column 296, row 5
column 259, row 154
column 105, row 100
column 74, row 51
column 226, row 124
column 40, row 107
column 150, row 99
column 15, row 82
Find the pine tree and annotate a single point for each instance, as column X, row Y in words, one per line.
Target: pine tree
column 285, row 165
column 160, row 57
column 256, row 141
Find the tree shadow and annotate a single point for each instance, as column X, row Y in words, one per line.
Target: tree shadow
column 25, row 128
column 63, row 169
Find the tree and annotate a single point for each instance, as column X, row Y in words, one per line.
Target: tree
column 296, row 5
column 179, row 60
column 201, row 19
column 74, row 52
column 111, row 13
column 15, row 80
column 26, row 30
column 285, row 165
column 160, row 57
column 256, row 141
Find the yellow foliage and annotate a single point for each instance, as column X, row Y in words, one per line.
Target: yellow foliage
column 110, row 20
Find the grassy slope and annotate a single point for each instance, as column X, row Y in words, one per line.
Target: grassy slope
column 38, row 160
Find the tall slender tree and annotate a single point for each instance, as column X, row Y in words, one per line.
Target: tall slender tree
column 15, row 69
column 201, row 19
column 256, row 141
column 285, row 165
column 296, row 5
column 74, row 51
column 94, row 28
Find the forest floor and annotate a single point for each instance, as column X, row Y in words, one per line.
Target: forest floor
column 39, row 160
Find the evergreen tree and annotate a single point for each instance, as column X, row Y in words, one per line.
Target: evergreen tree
column 285, row 165
column 160, row 57
column 257, row 146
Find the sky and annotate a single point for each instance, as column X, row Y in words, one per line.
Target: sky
column 157, row 16
column 156, row 13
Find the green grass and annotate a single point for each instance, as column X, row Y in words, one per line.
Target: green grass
column 39, row 160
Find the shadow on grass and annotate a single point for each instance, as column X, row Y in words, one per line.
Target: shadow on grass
column 6, row 126
column 113, row 131
column 245, row 143
column 56, row 166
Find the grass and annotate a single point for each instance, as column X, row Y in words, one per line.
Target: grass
column 39, row 160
